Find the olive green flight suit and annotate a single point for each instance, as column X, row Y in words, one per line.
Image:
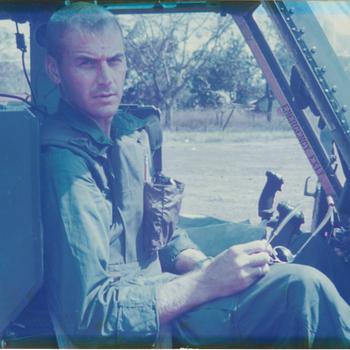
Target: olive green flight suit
column 102, row 282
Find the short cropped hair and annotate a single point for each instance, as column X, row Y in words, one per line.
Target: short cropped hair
column 80, row 15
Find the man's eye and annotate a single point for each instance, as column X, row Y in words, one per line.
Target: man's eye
column 115, row 61
column 86, row 63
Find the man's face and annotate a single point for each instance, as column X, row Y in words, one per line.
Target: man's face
column 91, row 71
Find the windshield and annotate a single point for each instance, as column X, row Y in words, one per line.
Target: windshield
column 334, row 18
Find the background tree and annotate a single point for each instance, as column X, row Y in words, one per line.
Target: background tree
column 165, row 52
column 231, row 71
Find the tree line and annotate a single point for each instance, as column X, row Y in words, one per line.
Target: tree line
column 178, row 61
column 189, row 61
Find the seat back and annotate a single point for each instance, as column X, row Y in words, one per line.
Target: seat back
column 21, row 248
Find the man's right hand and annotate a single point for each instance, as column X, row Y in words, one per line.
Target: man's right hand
column 237, row 268
column 230, row 272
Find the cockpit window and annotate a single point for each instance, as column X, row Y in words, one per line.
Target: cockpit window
column 334, row 18
column 11, row 71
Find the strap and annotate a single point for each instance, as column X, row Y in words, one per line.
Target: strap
column 146, row 118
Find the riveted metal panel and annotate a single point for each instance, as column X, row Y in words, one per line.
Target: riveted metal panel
column 21, row 238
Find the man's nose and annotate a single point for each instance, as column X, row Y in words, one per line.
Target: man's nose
column 104, row 75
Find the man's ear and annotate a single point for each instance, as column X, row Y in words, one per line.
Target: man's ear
column 52, row 69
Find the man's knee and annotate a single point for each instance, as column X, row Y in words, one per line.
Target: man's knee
column 308, row 286
column 310, row 277
column 297, row 284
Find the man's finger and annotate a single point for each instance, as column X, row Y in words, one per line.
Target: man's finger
column 258, row 259
column 258, row 271
column 269, row 248
column 252, row 247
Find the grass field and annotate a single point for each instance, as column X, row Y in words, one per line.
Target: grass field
column 224, row 172
column 233, row 118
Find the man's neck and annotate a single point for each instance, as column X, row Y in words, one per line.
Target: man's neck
column 104, row 124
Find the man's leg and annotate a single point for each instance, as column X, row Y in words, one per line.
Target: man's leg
column 214, row 237
column 292, row 306
column 319, row 254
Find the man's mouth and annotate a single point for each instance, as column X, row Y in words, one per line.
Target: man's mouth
column 105, row 95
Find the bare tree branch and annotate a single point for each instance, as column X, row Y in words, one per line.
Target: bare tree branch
column 161, row 48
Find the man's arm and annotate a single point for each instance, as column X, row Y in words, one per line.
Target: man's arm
column 189, row 260
column 232, row 271
column 91, row 305
column 180, row 255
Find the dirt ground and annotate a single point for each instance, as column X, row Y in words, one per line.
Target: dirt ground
column 225, row 179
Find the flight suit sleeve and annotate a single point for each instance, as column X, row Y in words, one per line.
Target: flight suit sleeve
column 93, row 307
column 178, row 243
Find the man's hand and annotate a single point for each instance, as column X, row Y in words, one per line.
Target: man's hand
column 230, row 272
column 237, row 268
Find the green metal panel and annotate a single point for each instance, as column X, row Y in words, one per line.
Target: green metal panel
column 24, row 8
column 21, row 238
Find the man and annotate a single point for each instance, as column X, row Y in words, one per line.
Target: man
column 104, row 287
